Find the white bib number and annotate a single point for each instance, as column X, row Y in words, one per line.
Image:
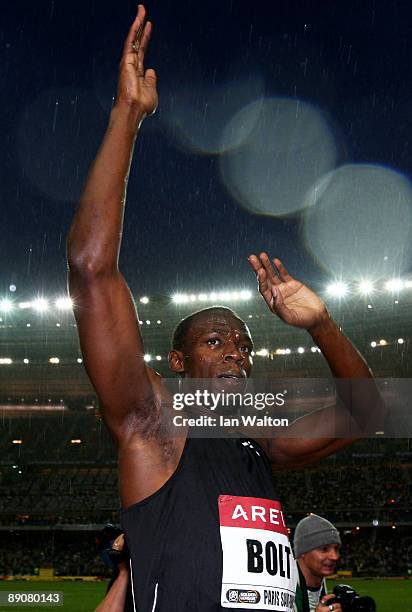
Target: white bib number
column 259, row 570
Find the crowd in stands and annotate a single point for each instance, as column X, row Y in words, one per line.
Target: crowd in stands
column 379, row 489
column 73, row 554
column 365, row 552
column 368, row 495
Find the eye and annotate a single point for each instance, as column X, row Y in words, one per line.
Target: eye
column 245, row 349
column 214, row 342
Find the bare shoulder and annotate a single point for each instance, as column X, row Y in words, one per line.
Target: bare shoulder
column 149, row 458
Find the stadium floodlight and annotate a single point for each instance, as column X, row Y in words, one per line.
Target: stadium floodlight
column 5, row 361
column 40, row 305
column 373, row 344
column 262, row 352
column 180, row 298
column 158, row 322
column 25, row 305
column 401, row 340
column 54, row 360
column 224, row 296
column 280, row 351
column 158, row 358
column 64, row 303
column 366, row 287
column 75, row 441
column 287, row 351
column 26, row 361
column 79, row 360
column 383, row 342
column 245, row 294
column 393, row 285
column 314, row 349
column 17, row 441
column 6, row 305
column 301, row 350
column 213, row 296
column 147, row 357
column 148, row 322
column 337, row 289
column 144, row 299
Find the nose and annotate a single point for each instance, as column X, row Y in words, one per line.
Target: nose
column 232, row 353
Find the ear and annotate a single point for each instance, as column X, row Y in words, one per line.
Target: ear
column 176, row 361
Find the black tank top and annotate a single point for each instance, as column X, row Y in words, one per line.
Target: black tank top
column 174, row 535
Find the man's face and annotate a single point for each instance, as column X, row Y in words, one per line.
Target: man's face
column 321, row 562
column 218, row 345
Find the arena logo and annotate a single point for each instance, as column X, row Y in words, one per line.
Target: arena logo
column 237, row 596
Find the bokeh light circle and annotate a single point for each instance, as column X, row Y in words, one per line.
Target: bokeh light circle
column 359, row 220
column 198, row 116
column 58, row 135
column 290, row 147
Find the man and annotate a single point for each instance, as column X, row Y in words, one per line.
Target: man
column 316, row 543
column 188, row 500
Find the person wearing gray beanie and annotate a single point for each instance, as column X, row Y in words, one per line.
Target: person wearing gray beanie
column 316, row 546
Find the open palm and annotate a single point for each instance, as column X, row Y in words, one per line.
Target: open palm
column 136, row 85
column 288, row 298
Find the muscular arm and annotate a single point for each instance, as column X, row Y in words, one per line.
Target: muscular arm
column 297, row 305
column 104, row 309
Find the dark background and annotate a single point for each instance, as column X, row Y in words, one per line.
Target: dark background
column 184, row 230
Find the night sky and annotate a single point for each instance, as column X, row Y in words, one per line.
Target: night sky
column 346, row 63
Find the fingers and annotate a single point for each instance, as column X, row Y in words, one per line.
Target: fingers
column 134, row 30
column 254, row 262
column 143, row 41
column 150, row 76
column 283, row 273
column 139, row 35
column 324, row 604
column 118, row 544
column 261, row 276
column 260, row 272
column 270, row 271
column 140, row 46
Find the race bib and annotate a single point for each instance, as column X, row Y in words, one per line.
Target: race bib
column 259, row 570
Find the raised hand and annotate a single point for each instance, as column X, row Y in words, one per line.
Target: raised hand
column 137, row 86
column 288, row 298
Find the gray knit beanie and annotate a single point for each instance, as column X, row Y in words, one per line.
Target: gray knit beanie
column 312, row 532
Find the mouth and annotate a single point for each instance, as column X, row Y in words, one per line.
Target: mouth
column 232, row 375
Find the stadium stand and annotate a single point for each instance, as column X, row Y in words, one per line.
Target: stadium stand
column 58, row 476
